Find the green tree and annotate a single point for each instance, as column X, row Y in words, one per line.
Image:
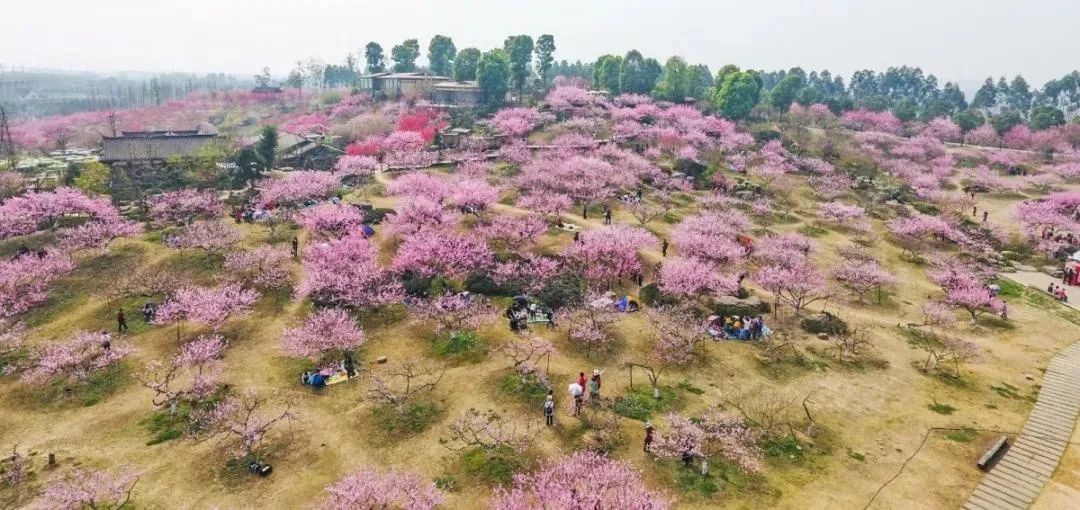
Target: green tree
column 373, row 54
column 94, row 178
column 677, row 82
column 737, row 95
column 465, row 64
column 519, row 49
column 606, row 73
column 653, row 71
column 404, row 56
column 1020, row 94
column 493, row 76
column 633, row 77
column 248, row 165
column 986, row 96
column 545, row 50
column 703, row 81
column 968, row 120
column 906, row 109
column 441, row 51
column 266, row 149
column 952, row 94
column 1043, row 117
column 783, row 94
column 723, row 73
column 1006, row 121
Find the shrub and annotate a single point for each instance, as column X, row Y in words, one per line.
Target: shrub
column 740, row 309
column 824, row 322
column 940, row 408
column 376, row 216
column 563, row 290
column 416, row 285
column 531, row 390
column 481, row 283
column 765, row 135
column 650, row 294
column 495, row 467
column 640, row 405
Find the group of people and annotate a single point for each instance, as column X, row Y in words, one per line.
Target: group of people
column 735, row 327
column 1058, row 292
column 1070, row 276
column 577, row 392
column 320, row 378
column 521, row 313
column 1050, row 233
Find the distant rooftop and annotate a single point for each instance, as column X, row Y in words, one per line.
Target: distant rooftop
column 465, row 85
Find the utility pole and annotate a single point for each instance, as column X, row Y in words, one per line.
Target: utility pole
column 7, row 145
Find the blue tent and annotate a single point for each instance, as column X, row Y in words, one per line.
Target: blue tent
column 367, row 230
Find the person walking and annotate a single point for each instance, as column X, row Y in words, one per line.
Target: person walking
column 1004, row 310
column 121, row 321
column 607, row 216
column 582, row 381
column 577, row 237
column 663, row 248
column 585, row 212
column 594, row 386
column 295, row 247
column 648, row 435
column 549, row 410
column 349, row 365
column 106, row 341
column 975, row 210
column 985, row 215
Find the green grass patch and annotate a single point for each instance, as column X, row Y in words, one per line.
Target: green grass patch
column 812, row 231
column 530, row 391
column 961, row 436
column 412, row 419
column 93, row 390
column 462, row 346
column 493, row 467
column 1009, row 288
column 639, row 404
column 786, row 448
column 165, row 426
column 940, row 408
column 689, row 388
column 691, row 481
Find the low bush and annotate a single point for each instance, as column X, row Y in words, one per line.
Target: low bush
column 494, row 467
column 414, row 418
column 824, row 322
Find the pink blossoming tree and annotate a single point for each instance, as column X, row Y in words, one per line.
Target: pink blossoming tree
column 90, row 489
column 331, row 220
column 24, row 281
column 75, row 360
column 211, row 236
column 327, row 332
column 370, row 489
column 560, row 484
column 265, row 267
column 183, row 206
column 443, row 253
column 208, row 306
column 346, row 272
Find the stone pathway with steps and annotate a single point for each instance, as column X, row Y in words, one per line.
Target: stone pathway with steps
column 1020, row 475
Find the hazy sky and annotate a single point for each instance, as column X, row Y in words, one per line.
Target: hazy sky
column 961, row 40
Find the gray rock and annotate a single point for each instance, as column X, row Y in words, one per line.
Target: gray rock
column 823, row 336
column 380, row 359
